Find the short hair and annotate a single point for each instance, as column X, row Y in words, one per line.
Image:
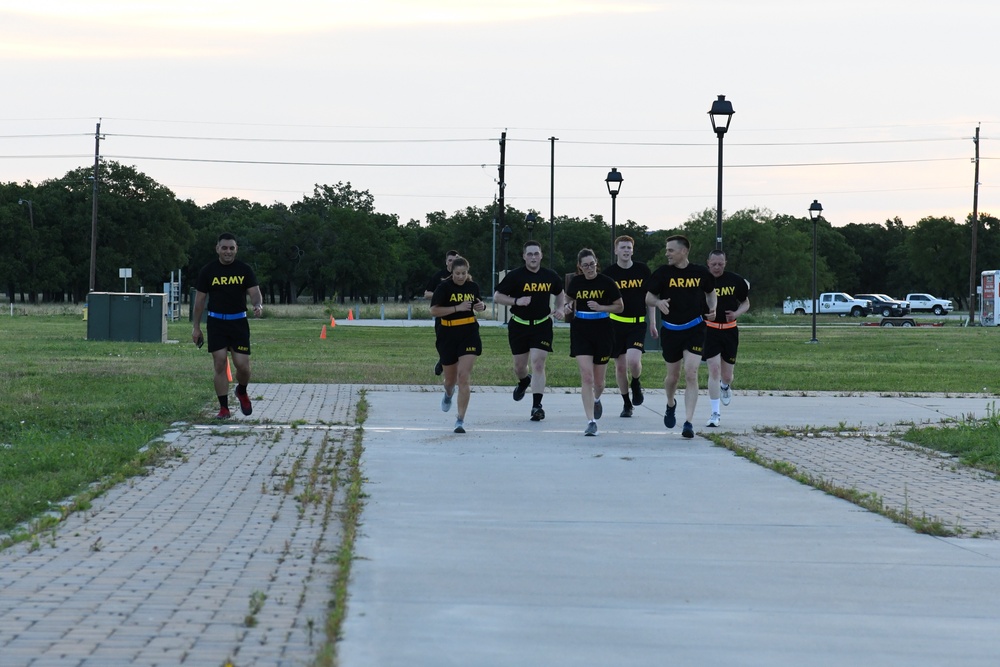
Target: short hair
column 225, row 236
column 624, row 239
column 530, row 242
column 459, row 262
column 718, row 252
column 680, row 238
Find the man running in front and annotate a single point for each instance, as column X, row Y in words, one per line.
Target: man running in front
column 684, row 293
column 526, row 290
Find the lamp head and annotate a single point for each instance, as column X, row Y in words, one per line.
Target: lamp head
column 815, row 210
column 721, row 114
column 614, row 181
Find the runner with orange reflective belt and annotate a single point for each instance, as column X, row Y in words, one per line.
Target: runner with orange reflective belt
column 722, row 338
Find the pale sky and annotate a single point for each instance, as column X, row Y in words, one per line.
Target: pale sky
column 869, row 107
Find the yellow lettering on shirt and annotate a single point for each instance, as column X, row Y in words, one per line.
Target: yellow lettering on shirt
column 684, row 282
column 228, row 280
column 629, row 283
column 726, row 291
column 590, row 294
column 537, row 287
column 460, row 298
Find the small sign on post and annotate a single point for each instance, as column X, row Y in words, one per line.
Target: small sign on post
column 125, row 274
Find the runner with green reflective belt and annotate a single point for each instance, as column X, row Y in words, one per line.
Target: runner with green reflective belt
column 527, row 291
column 630, row 326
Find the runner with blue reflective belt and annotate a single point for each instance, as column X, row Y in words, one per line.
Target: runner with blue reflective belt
column 222, row 287
column 593, row 298
column 684, row 293
column 527, row 291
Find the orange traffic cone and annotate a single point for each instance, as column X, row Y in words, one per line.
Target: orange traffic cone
column 229, row 371
column 333, row 322
column 350, row 314
column 322, row 334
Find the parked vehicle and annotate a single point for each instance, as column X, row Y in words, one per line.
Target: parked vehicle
column 925, row 303
column 835, row 303
column 885, row 305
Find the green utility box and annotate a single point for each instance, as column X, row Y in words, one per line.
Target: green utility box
column 127, row 317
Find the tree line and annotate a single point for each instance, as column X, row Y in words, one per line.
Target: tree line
column 333, row 245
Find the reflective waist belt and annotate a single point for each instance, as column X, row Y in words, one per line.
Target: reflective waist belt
column 586, row 315
column 721, row 325
column 457, row 323
column 228, row 316
column 527, row 322
column 681, row 327
column 627, row 320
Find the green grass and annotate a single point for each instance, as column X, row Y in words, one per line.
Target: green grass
column 76, row 412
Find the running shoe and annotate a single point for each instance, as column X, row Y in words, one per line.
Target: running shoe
column 537, row 414
column 598, row 409
column 725, row 394
column 591, row 429
column 522, row 386
column 459, row 426
column 626, row 412
column 637, row 397
column 688, row 430
column 223, row 414
column 244, row 399
column 438, row 368
column 714, row 420
column 446, row 402
column 669, row 419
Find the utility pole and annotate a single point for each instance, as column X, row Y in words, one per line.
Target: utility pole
column 973, row 282
column 503, row 185
column 93, row 212
column 552, row 203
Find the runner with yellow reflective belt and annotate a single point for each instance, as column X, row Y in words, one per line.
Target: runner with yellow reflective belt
column 630, row 326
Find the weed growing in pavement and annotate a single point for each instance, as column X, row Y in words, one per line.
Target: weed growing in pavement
column 257, row 599
column 976, row 442
column 868, row 500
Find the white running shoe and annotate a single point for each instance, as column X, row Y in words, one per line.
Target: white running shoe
column 725, row 393
column 446, row 402
column 714, row 420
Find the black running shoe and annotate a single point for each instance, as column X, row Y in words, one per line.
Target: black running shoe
column 626, row 412
column 688, row 430
column 537, row 414
column 669, row 418
column 637, row 397
column 522, row 386
column 598, row 409
column 438, row 368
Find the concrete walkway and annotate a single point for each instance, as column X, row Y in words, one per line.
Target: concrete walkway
column 521, row 543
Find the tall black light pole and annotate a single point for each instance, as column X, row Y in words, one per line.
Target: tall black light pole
column 614, row 181
column 721, row 115
column 815, row 212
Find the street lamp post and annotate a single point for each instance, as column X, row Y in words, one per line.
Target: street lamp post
column 614, row 181
column 721, row 114
column 529, row 223
column 815, row 213
column 552, row 203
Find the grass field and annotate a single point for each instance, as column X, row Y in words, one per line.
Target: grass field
column 78, row 412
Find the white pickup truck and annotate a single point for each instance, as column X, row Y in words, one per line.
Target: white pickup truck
column 834, row 303
column 925, row 303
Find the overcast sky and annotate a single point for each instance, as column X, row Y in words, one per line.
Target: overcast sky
column 869, row 107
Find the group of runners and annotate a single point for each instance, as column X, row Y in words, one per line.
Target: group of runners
column 609, row 314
